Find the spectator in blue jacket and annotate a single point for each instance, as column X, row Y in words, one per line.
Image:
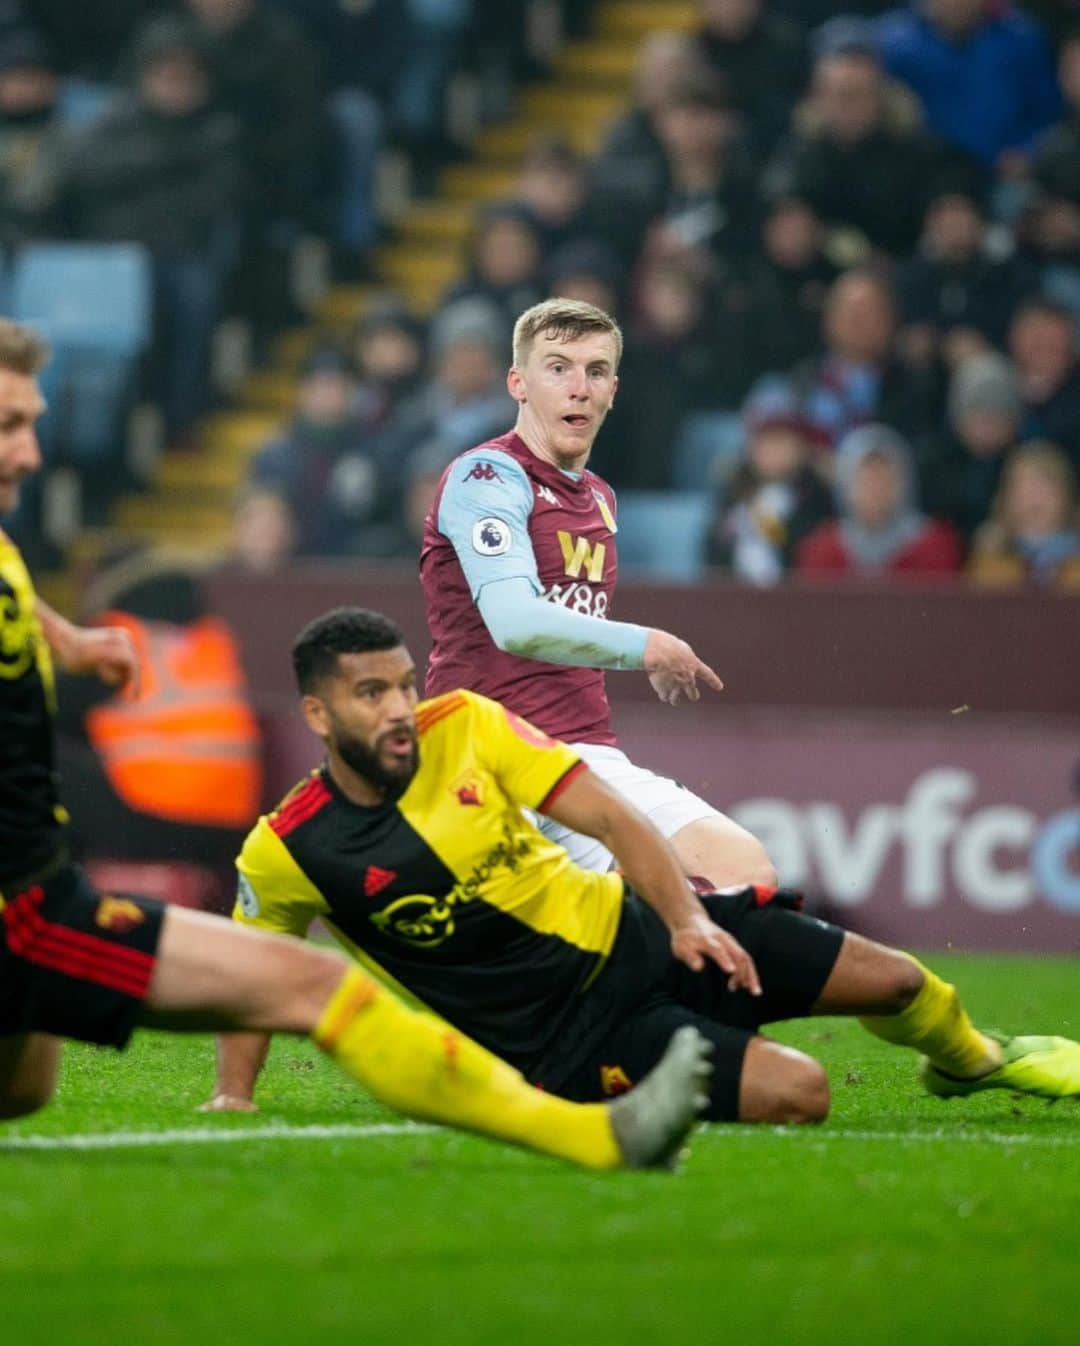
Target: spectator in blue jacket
column 983, row 71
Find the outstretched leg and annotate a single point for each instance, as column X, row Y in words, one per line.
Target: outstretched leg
column 95, row 966
column 904, row 1002
column 213, row 974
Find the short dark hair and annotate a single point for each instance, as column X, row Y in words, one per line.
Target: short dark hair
column 341, row 631
column 1044, row 306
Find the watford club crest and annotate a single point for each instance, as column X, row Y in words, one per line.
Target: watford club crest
column 468, row 790
column 614, row 1080
column 119, row 915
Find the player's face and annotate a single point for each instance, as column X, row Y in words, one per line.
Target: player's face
column 21, row 404
column 367, row 717
column 564, row 390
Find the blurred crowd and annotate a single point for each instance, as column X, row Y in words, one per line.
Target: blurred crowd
column 843, row 241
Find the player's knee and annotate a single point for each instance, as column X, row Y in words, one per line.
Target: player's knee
column 318, row 975
column 754, row 864
column 762, row 870
column 22, row 1101
column 745, row 864
column 780, row 1085
column 804, row 1092
column 901, row 981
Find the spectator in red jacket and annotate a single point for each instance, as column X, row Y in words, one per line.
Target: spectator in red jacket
column 879, row 531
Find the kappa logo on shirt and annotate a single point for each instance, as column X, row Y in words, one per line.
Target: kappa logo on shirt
column 483, row 472
column 546, row 493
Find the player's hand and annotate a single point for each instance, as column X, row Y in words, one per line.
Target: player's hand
column 699, row 940
column 674, row 669
column 228, row 1103
column 107, row 651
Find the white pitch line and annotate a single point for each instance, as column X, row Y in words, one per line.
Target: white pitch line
column 813, row 1136
column 206, row 1135
column 121, row 1140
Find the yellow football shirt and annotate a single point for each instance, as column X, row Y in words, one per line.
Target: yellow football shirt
column 31, row 817
column 449, row 892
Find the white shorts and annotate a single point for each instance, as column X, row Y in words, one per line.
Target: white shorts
column 667, row 805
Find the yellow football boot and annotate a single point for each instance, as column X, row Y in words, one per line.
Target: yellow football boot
column 1043, row 1067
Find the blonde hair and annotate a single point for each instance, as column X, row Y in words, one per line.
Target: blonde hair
column 1048, row 459
column 563, row 320
column 22, row 349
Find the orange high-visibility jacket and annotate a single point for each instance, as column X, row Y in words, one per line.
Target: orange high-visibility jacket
column 187, row 747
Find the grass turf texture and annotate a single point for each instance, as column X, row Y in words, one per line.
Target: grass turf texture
column 904, row 1219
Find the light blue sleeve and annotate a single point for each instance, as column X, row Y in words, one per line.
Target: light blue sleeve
column 523, row 623
column 484, row 512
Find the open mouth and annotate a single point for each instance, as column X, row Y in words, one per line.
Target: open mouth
column 400, row 743
column 576, row 422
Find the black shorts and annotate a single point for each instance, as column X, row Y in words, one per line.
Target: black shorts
column 643, row 995
column 75, row 962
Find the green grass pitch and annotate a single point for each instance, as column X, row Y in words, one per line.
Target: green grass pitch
column 903, row 1219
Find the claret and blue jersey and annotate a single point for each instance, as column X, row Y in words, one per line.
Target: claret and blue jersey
column 501, row 513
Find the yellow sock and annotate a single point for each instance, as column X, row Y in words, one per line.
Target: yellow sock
column 421, row 1066
column 936, row 1024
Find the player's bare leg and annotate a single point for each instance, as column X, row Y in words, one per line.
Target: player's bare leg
column 211, row 974
column 906, row 1003
column 718, row 849
column 779, row 1085
column 870, row 978
column 900, row 1000
column 214, row 975
column 28, row 1068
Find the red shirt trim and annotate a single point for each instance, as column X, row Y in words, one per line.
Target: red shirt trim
column 571, row 774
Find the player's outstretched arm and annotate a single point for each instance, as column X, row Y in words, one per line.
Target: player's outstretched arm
column 589, row 805
column 521, row 621
column 106, row 651
column 674, row 669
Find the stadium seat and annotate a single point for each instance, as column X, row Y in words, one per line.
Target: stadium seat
column 86, row 294
column 662, row 533
column 83, row 101
column 94, row 304
column 707, row 450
